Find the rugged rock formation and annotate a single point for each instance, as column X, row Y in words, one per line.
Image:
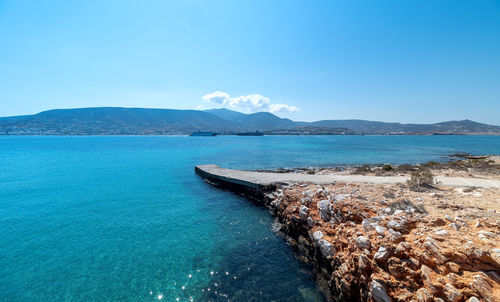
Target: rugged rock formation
column 385, row 243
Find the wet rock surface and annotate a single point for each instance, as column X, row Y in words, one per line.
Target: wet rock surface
column 386, row 243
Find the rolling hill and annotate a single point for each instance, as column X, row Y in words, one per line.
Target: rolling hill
column 143, row 121
column 255, row 121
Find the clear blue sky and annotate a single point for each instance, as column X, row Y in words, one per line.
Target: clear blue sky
column 407, row 61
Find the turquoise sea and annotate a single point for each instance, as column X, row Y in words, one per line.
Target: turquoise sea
column 126, row 218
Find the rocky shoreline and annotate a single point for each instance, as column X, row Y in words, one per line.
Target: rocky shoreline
column 372, row 242
column 369, row 247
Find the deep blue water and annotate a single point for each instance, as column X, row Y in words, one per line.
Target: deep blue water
column 126, row 218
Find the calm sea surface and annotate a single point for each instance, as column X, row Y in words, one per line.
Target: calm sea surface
column 126, row 218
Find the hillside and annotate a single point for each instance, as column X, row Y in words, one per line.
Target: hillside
column 255, row 121
column 142, row 121
column 450, row 127
column 110, row 120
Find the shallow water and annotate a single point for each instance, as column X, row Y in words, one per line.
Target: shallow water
column 126, row 218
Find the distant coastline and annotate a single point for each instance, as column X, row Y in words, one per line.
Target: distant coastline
column 144, row 121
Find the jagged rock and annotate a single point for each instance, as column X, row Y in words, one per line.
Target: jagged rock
column 340, row 197
column 317, row 236
column 455, row 226
column 482, row 287
column 410, row 267
column 363, row 242
column 423, row 295
column 401, row 249
column 426, row 272
column 379, row 292
column 449, row 218
column 438, row 222
column 485, row 235
column 303, row 212
column 414, row 263
column 324, row 209
column 393, row 224
column 397, row 212
column 363, row 262
column 441, row 232
column 435, row 250
column 367, row 225
column 382, row 254
column 276, row 203
column 452, row 266
column 310, row 222
column 495, row 256
column 302, row 244
column 395, row 235
column 453, row 278
column 306, row 200
column 380, row 230
column 494, row 275
column 395, row 267
column 402, row 225
column 327, row 249
column 451, row 293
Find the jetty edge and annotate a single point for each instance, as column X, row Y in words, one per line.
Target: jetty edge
column 381, row 241
column 235, row 181
column 261, row 181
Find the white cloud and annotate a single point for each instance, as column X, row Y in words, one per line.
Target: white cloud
column 282, row 108
column 218, row 97
column 251, row 103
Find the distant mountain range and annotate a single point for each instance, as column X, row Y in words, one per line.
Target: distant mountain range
column 142, row 121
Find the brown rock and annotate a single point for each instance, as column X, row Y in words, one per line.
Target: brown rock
column 438, row 222
column 395, row 267
column 435, row 250
column 423, row 295
column 451, row 293
column 453, row 267
column 379, row 293
column 382, row 254
column 364, row 263
column 482, row 287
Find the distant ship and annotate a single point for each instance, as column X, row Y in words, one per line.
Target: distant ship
column 203, row 133
column 256, row 133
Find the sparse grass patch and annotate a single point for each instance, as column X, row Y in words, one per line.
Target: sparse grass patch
column 420, row 180
column 405, row 168
column 364, row 169
column 432, row 165
column 387, row 167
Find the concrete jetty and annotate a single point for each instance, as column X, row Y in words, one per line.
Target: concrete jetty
column 258, row 181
